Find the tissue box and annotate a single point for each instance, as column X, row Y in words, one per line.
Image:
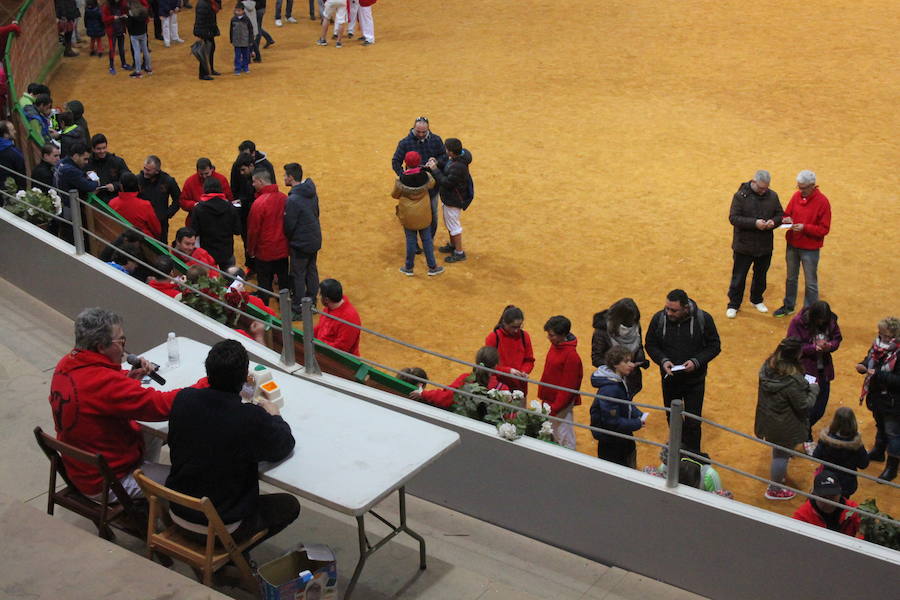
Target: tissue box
column 279, row 579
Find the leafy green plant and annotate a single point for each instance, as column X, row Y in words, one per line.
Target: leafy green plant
column 214, row 287
column 877, row 531
column 27, row 202
column 505, row 412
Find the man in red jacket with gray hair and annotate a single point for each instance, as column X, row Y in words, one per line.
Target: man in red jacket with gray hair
column 96, row 405
column 563, row 368
column 266, row 241
column 809, row 214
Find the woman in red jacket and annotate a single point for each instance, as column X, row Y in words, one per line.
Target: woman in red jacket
column 114, row 14
column 514, row 345
column 487, row 356
column 562, row 368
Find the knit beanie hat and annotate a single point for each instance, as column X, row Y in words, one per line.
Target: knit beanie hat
column 412, row 159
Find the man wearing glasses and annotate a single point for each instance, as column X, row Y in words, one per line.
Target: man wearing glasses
column 95, row 404
column 429, row 145
column 809, row 214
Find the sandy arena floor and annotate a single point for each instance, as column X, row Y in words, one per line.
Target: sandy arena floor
column 608, row 139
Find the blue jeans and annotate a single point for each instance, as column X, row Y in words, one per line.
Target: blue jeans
column 139, row 48
column 818, row 409
column 427, row 247
column 794, row 257
column 288, row 9
column 242, row 59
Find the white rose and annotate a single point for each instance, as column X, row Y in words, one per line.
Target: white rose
column 518, row 395
column 546, row 429
column 57, row 206
column 34, row 189
column 30, row 212
column 20, row 194
column 536, row 405
column 546, row 408
column 507, row 431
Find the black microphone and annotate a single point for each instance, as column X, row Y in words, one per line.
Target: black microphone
column 135, row 361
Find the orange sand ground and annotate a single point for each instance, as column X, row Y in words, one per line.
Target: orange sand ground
column 608, row 140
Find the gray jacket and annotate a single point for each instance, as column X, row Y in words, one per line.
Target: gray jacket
column 301, row 218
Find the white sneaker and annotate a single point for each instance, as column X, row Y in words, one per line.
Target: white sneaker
column 731, row 313
column 291, row 20
column 278, row 23
column 761, row 307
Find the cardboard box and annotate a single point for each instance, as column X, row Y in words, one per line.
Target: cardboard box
column 279, row 579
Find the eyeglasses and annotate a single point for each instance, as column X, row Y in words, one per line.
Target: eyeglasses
column 804, row 187
column 120, row 340
column 422, row 119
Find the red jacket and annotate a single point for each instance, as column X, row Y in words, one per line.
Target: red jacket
column 201, row 257
column 265, row 225
column 849, row 521
column 107, row 16
column 168, row 288
column 815, row 214
column 336, row 334
column 138, row 212
column 95, row 405
column 444, row 398
column 258, row 303
column 192, row 190
column 515, row 353
column 562, row 367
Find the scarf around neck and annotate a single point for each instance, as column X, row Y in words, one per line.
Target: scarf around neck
column 881, row 352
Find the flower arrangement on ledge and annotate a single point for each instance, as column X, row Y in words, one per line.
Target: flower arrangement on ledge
column 28, row 201
column 505, row 412
column 214, row 287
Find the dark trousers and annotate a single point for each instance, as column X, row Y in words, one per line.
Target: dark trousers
column 266, row 271
column 433, row 194
column 114, row 41
column 742, row 264
column 242, row 59
column 818, row 409
column 887, row 432
column 210, row 52
column 622, row 452
column 273, row 512
column 691, row 392
column 306, row 277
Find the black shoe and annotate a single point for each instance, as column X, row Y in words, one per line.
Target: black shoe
column 446, row 249
column 876, row 454
column 456, row 257
column 68, row 52
column 215, row 74
column 206, row 78
column 782, row 312
column 268, row 43
column 890, row 471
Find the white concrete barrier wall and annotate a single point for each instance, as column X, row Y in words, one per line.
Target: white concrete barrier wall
column 687, row 538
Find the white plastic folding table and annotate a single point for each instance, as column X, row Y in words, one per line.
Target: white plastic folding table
column 350, row 454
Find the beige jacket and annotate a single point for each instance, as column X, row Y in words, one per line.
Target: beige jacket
column 414, row 208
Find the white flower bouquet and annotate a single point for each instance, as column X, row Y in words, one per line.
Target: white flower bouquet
column 27, row 202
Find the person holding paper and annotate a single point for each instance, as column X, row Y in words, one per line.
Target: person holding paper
column 682, row 340
column 809, row 214
column 755, row 212
column 611, row 381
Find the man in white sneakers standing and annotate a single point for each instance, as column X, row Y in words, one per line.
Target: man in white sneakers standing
column 366, row 22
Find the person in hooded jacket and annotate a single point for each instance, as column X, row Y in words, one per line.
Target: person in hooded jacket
column 414, row 213
column 77, row 110
column 841, row 444
column 114, row 14
column 216, row 222
column 486, row 356
column 611, row 381
column 881, row 393
column 207, row 29
column 820, row 514
column 514, row 345
column 266, row 242
column 452, row 177
column 620, row 325
column 782, row 409
column 106, row 165
column 755, row 212
column 562, row 368
column 817, row 327
column 133, row 209
column 10, row 156
column 683, row 340
column 304, row 234
column 428, row 145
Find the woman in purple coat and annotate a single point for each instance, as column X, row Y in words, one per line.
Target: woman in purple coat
column 816, row 326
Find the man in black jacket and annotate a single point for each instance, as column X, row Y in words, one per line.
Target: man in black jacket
column 216, row 222
column 682, row 340
column 108, row 167
column 216, row 444
column 452, row 177
column 304, row 234
column 248, row 160
column 429, row 145
column 10, row 156
column 156, row 187
column 206, row 28
column 43, row 172
column 755, row 212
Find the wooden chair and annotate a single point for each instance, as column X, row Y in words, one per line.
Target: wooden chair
column 220, row 548
column 121, row 512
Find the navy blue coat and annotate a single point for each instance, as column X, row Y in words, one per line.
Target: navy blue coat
column 70, row 176
column 301, row 218
column 620, row 417
column 431, row 146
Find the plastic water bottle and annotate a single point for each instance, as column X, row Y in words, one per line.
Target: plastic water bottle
column 172, row 347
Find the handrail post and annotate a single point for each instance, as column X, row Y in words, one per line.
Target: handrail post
column 287, row 329
column 310, row 363
column 77, row 235
column 674, row 444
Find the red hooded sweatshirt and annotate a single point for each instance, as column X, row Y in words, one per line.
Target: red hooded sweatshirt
column 563, row 368
column 137, row 211
column 815, row 214
column 167, row 287
column 95, row 405
column 444, row 398
column 515, row 353
column 849, row 521
column 192, row 191
column 336, row 334
column 265, row 225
